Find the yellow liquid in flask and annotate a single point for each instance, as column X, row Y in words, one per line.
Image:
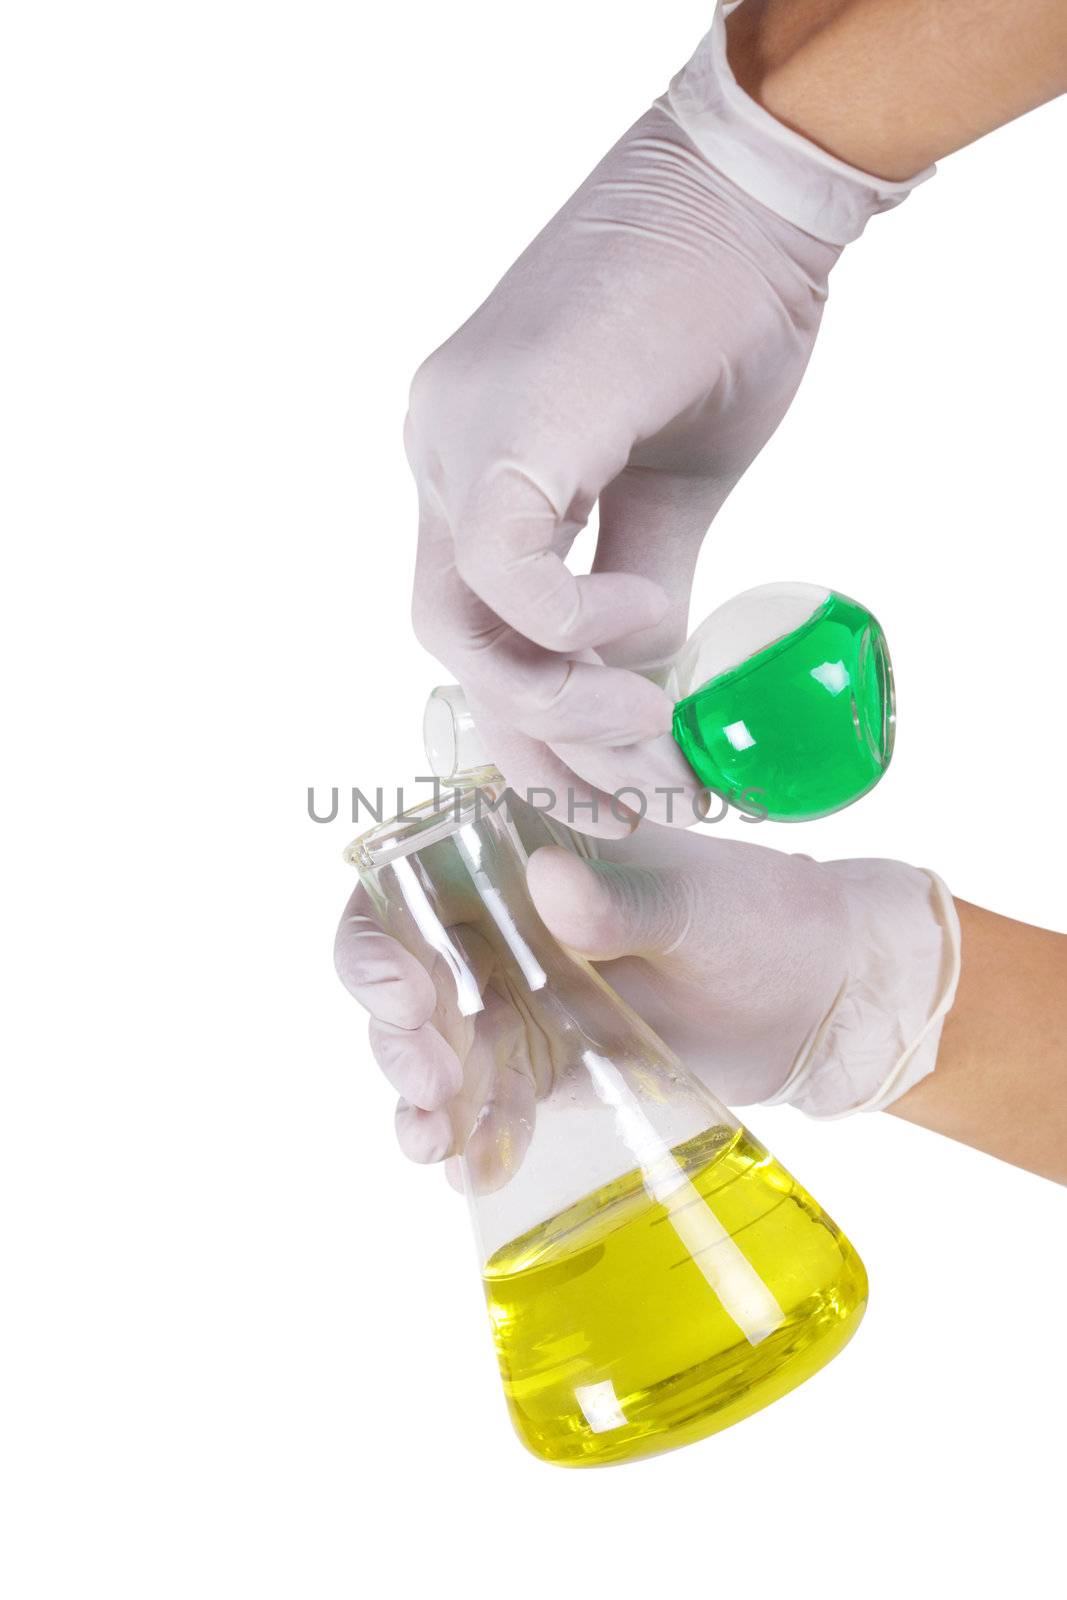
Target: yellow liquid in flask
column 669, row 1304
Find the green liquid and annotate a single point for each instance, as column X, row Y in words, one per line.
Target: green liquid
column 803, row 727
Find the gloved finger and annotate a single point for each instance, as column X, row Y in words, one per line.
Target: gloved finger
column 495, row 1039
column 535, row 829
column 495, row 1138
column 603, row 910
column 532, row 1049
column 456, row 1014
column 653, row 779
column 553, row 698
column 653, row 521
column 507, row 537
column 497, row 1146
column 418, row 1063
column 379, row 972
column 542, row 695
column 537, row 774
column 431, row 1134
column 423, row 1136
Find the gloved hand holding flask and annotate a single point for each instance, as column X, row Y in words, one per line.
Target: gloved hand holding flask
column 652, row 1274
column 773, row 977
column 783, row 706
column 638, row 355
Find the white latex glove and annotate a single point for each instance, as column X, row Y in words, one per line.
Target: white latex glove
column 639, row 353
column 773, row 977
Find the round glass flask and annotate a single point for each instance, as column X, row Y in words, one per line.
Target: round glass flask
column 652, row 1274
column 784, row 704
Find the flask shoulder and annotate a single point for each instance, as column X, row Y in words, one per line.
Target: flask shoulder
column 742, row 627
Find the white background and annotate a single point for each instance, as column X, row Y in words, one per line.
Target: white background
column 244, row 1350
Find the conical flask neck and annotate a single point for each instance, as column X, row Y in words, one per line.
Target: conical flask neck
column 540, row 1036
column 449, row 881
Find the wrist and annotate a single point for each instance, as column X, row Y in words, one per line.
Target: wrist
column 891, row 86
column 773, row 163
column 881, row 1035
column 821, row 69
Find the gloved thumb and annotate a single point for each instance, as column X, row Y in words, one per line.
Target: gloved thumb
column 603, row 910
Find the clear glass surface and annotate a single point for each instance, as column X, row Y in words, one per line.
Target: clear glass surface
column 784, row 705
column 651, row 1273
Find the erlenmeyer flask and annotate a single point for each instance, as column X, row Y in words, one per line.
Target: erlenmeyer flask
column 783, row 704
column 652, row 1273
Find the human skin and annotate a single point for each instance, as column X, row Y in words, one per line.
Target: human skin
column 642, row 350
column 668, row 920
column 891, row 86
column 1001, row 1078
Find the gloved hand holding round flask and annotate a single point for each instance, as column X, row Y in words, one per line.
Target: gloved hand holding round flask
column 784, row 706
column 637, row 357
column 652, row 1273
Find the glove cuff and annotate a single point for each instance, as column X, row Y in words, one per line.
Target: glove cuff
column 882, row 1033
column 781, row 169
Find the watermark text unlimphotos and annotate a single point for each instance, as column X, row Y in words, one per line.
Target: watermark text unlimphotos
column 667, row 804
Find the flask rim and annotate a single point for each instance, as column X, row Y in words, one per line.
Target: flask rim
column 425, row 824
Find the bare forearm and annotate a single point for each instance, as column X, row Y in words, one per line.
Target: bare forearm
column 893, row 85
column 1001, row 1078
